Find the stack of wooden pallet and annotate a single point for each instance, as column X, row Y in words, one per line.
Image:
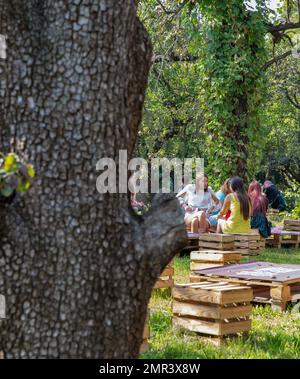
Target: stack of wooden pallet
column 244, row 244
column 215, row 309
column 166, row 277
column 293, row 225
column 249, row 243
column 215, row 241
column 146, row 335
column 213, row 258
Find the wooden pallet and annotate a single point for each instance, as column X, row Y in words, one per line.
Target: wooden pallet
column 293, row 225
column 203, row 259
column 286, row 238
column 166, row 278
column 262, row 243
column 277, row 290
column 216, row 241
column 248, row 243
column 146, row 335
column 215, row 309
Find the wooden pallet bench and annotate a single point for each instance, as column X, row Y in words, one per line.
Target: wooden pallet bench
column 216, row 241
column 281, row 238
column 276, row 284
column 203, row 259
column 214, row 309
column 146, row 335
column 293, row 225
column 249, row 243
column 165, row 279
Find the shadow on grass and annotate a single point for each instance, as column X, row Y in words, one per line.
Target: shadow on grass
column 169, row 343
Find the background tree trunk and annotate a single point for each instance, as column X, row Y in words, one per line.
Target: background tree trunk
column 76, row 267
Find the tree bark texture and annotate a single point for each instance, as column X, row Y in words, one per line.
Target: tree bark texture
column 76, row 267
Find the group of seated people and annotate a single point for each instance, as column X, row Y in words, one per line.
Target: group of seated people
column 231, row 210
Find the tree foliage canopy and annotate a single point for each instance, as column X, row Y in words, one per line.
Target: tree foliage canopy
column 224, row 85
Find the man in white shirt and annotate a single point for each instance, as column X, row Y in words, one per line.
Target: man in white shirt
column 198, row 205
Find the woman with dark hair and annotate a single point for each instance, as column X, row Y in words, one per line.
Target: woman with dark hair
column 274, row 196
column 259, row 209
column 239, row 203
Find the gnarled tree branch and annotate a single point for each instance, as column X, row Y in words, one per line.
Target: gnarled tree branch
column 283, row 26
column 277, row 59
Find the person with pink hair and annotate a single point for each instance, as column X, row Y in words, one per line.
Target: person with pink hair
column 259, row 207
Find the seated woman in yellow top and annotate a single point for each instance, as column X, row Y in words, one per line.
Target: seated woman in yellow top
column 239, row 203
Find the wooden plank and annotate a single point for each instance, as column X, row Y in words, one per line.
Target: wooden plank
column 281, row 293
column 196, row 285
column 216, row 237
column 235, row 296
column 215, row 256
column 210, row 311
column 168, row 271
column 292, row 228
column 204, row 265
column 213, row 328
column 295, row 223
column 235, row 327
column 194, row 294
column 164, row 283
column 194, row 278
column 216, row 245
column 223, row 294
column 246, row 238
column 196, row 325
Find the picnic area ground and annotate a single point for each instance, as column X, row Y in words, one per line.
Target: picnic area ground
column 273, row 334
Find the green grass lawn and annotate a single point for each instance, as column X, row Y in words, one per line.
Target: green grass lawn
column 273, row 334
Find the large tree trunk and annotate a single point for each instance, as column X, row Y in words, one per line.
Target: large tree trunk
column 77, row 267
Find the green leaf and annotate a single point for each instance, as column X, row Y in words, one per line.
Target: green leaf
column 30, row 171
column 23, row 186
column 10, row 162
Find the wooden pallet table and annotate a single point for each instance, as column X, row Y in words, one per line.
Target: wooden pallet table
column 276, row 284
column 248, row 243
column 214, row 309
column 165, row 279
column 293, row 225
column 2, row 315
column 216, row 241
column 281, row 238
column 203, row 259
column 146, row 335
